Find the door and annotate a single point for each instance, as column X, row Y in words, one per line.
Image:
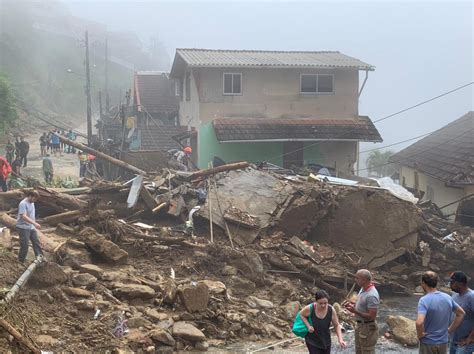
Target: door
column 293, row 154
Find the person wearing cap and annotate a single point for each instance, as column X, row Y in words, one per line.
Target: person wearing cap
column 434, row 311
column 462, row 340
column 26, row 226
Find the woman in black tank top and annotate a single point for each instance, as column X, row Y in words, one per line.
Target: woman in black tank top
column 318, row 339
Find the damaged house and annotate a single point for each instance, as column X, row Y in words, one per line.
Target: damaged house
column 292, row 109
column 440, row 168
column 149, row 125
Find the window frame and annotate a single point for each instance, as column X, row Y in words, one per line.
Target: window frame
column 317, row 84
column 187, row 84
column 232, row 84
column 177, row 88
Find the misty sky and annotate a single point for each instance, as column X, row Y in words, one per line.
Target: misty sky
column 420, row 50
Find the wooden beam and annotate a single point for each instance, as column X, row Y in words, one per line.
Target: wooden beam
column 223, row 168
column 62, row 218
column 49, row 196
column 101, row 155
column 17, row 335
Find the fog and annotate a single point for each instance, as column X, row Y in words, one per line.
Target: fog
column 420, row 50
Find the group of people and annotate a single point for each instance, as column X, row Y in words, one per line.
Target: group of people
column 50, row 142
column 443, row 322
column 16, row 157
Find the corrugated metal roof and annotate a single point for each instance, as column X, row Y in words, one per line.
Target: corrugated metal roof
column 447, row 154
column 260, row 58
column 295, row 129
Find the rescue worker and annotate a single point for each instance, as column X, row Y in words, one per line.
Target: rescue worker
column 365, row 311
column 82, row 163
column 179, row 158
column 23, row 149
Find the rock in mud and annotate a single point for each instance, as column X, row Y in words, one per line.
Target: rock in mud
column 241, row 286
column 403, row 330
column 84, row 279
column 215, row 287
column 78, row 292
column 291, row 309
column 92, row 269
column 139, row 321
column 194, row 297
column 201, row 346
column 155, row 316
column 188, row 332
column 229, row 270
column 133, row 291
column 255, row 302
column 162, row 336
column 49, row 274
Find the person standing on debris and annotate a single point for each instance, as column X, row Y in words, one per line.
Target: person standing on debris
column 24, row 149
column 5, row 170
column 26, row 226
column 48, row 169
column 462, row 341
column 434, row 312
column 10, row 151
column 365, row 311
column 318, row 339
column 82, row 163
column 43, row 143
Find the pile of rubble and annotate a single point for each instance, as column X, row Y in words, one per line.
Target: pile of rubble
column 193, row 260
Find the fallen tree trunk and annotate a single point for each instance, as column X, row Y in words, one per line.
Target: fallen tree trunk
column 17, row 335
column 21, row 280
column 102, row 156
column 100, row 245
column 49, row 196
column 223, row 168
column 62, row 218
column 46, row 243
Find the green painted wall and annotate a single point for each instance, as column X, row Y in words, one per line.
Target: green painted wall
column 208, row 147
column 312, row 152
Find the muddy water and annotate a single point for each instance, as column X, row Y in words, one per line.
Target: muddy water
column 404, row 306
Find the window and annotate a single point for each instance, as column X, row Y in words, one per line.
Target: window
column 311, row 84
column 188, row 86
column 181, row 87
column 232, row 84
column 177, row 89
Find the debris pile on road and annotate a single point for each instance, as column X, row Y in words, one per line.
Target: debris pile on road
column 181, row 261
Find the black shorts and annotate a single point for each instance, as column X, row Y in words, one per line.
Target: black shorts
column 56, row 146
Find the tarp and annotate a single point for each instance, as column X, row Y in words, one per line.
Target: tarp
column 396, row 189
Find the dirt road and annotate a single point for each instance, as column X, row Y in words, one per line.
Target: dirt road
column 65, row 166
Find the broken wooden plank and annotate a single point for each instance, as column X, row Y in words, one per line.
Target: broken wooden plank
column 101, row 155
column 316, row 258
column 148, row 199
column 223, row 168
column 159, row 207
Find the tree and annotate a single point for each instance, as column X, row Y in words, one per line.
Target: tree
column 8, row 114
column 378, row 163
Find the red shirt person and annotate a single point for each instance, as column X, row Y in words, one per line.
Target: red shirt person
column 5, row 170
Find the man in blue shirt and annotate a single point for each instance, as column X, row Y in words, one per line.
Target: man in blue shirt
column 434, row 312
column 26, row 226
column 462, row 341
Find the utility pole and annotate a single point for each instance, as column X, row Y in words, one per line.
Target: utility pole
column 88, row 94
column 107, row 99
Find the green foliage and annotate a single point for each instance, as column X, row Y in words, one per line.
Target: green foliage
column 8, row 114
column 378, row 163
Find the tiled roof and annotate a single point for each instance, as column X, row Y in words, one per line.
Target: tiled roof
column 159, row 138
column 295, row 129
column 259, row 58
column 447, row 154
column 155, row 93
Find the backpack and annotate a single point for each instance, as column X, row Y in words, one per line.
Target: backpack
column 299, row 328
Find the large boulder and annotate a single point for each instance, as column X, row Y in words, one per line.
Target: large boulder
column 188, row 332
column 403, row 330
column 134, row 291
column 49, row 274
column 194, row 297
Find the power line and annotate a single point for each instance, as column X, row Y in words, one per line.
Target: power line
column 424, row 102
column 417, row 153
column 398, row 143
column 378, row 120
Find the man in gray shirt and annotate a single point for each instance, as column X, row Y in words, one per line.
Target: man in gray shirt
column 26, row 226
column 365, row 311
